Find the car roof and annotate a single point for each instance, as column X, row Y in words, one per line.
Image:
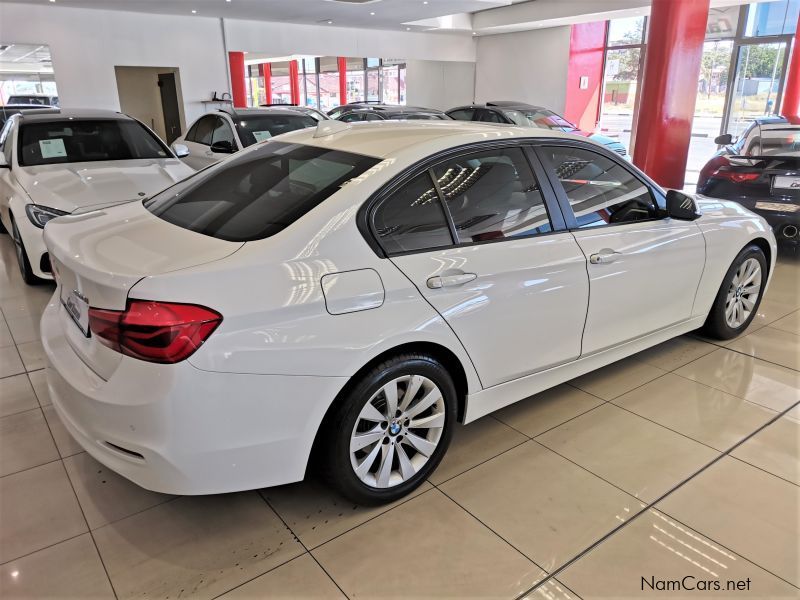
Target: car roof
column 390, row 108
column 383, row 139
column 267, row 110
column 45, row 114
column 501, row 104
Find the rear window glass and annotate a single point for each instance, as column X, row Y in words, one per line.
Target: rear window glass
column 543, row 119
column 775, row 142
column 56, row 142
column 258, row 128
column 256, row 194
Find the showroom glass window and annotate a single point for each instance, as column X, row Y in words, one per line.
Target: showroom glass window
column 412, row 219
column 329, row 83
column 600, row 190
column 492, row 195
column 56, row 142
column 254, row 195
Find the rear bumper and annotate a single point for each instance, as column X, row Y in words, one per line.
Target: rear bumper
column 179, row 430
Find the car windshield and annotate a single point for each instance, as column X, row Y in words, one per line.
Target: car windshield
column 257, row 128
column 258, row 193
column 69, row 141
column 541, row 118
column 783, row 141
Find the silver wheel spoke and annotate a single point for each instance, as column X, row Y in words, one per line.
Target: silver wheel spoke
column 424, row 403
column 364, row 466
column 743, row 293
column 434, row 420
column 362, row 440
column 370, row 413
column 406, row 468
column 390, row 393
column 420, row 444
column 385, row 470
column 747, row 303
column 411, row 390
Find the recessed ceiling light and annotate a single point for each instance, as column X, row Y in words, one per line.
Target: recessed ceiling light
column 372, row 13
column 408, row 28
column 194, row 12
column 425, row 2
column 474, row 33
column 330, row 22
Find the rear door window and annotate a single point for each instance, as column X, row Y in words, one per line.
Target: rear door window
column 204, row 130
column 256, row 194
column 412, row 218
column 462, row 114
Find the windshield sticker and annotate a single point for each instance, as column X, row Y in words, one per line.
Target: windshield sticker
column 261, row 135
column 52, row 148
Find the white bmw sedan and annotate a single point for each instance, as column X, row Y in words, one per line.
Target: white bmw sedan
column 347, row 293
column 57, row 162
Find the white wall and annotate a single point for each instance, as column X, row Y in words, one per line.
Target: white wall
column 283, row 39
column 86, row 45
column 439, row 84
column 530, row 66
column 140, row 96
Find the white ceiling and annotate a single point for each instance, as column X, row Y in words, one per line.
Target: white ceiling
column 389, row 14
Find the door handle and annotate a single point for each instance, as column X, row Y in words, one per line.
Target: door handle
column 604, row 257
column 443, row 281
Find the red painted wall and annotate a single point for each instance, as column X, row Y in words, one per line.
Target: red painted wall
column 238, row 86
column 587, row 41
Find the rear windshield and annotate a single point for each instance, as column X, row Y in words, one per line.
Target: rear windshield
column 57, row 142
column 776, row 142
column 258, row 128
column 258, row 193
column 543, row 119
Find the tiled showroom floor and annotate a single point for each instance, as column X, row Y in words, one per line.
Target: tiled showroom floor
column 636, row 471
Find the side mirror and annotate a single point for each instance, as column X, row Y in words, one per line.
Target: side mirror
column 726, row 139
column 681, row 206
column 180, row 150
column 222, row 147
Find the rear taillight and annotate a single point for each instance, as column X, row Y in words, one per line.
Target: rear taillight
column 720, row 167
column 162, row 332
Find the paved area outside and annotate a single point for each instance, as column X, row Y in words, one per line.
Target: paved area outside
column 678, row 464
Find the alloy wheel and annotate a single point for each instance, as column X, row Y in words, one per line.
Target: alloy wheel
column 743, row 293
column 397, row 431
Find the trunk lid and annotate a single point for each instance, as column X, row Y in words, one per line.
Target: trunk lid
column 99, row 256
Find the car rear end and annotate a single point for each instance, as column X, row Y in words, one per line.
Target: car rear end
column 124, row 333
column 767, row 185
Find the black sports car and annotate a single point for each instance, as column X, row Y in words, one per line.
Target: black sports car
column 761, row 171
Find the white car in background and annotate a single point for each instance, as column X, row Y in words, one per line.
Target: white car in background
column 219, row 134
column 58, row 162
column 357, row 289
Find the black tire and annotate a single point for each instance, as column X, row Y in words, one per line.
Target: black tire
column 335, row 457
column 22, row 257
column 716, row 325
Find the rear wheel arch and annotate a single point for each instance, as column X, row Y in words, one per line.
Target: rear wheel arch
column 765, row 248
column 441, row 353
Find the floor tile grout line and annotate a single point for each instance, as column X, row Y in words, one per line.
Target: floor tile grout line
column 729, row 549
column 24, row 410
column 652, row 504
column 307, row 551
column 554, row 426
column 721, row 347
column 510, row 545
column 405, row 500
column 80, row 507
column 483, row 462
column 763, row 470
column 43, row 548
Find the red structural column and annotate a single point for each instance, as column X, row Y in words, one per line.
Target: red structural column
column 268, row 81
column 669, row 90
column 294, row 82
column 342, row 62
column 238, row 86
column 791, row 94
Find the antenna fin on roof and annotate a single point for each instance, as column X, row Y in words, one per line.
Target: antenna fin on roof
column 330, row 127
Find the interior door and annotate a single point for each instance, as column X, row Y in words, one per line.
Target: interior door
column 494, row 260
column 169, row 106
column 644, row 268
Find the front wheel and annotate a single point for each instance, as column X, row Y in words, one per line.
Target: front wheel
column 739, row 295
column 391, row 430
